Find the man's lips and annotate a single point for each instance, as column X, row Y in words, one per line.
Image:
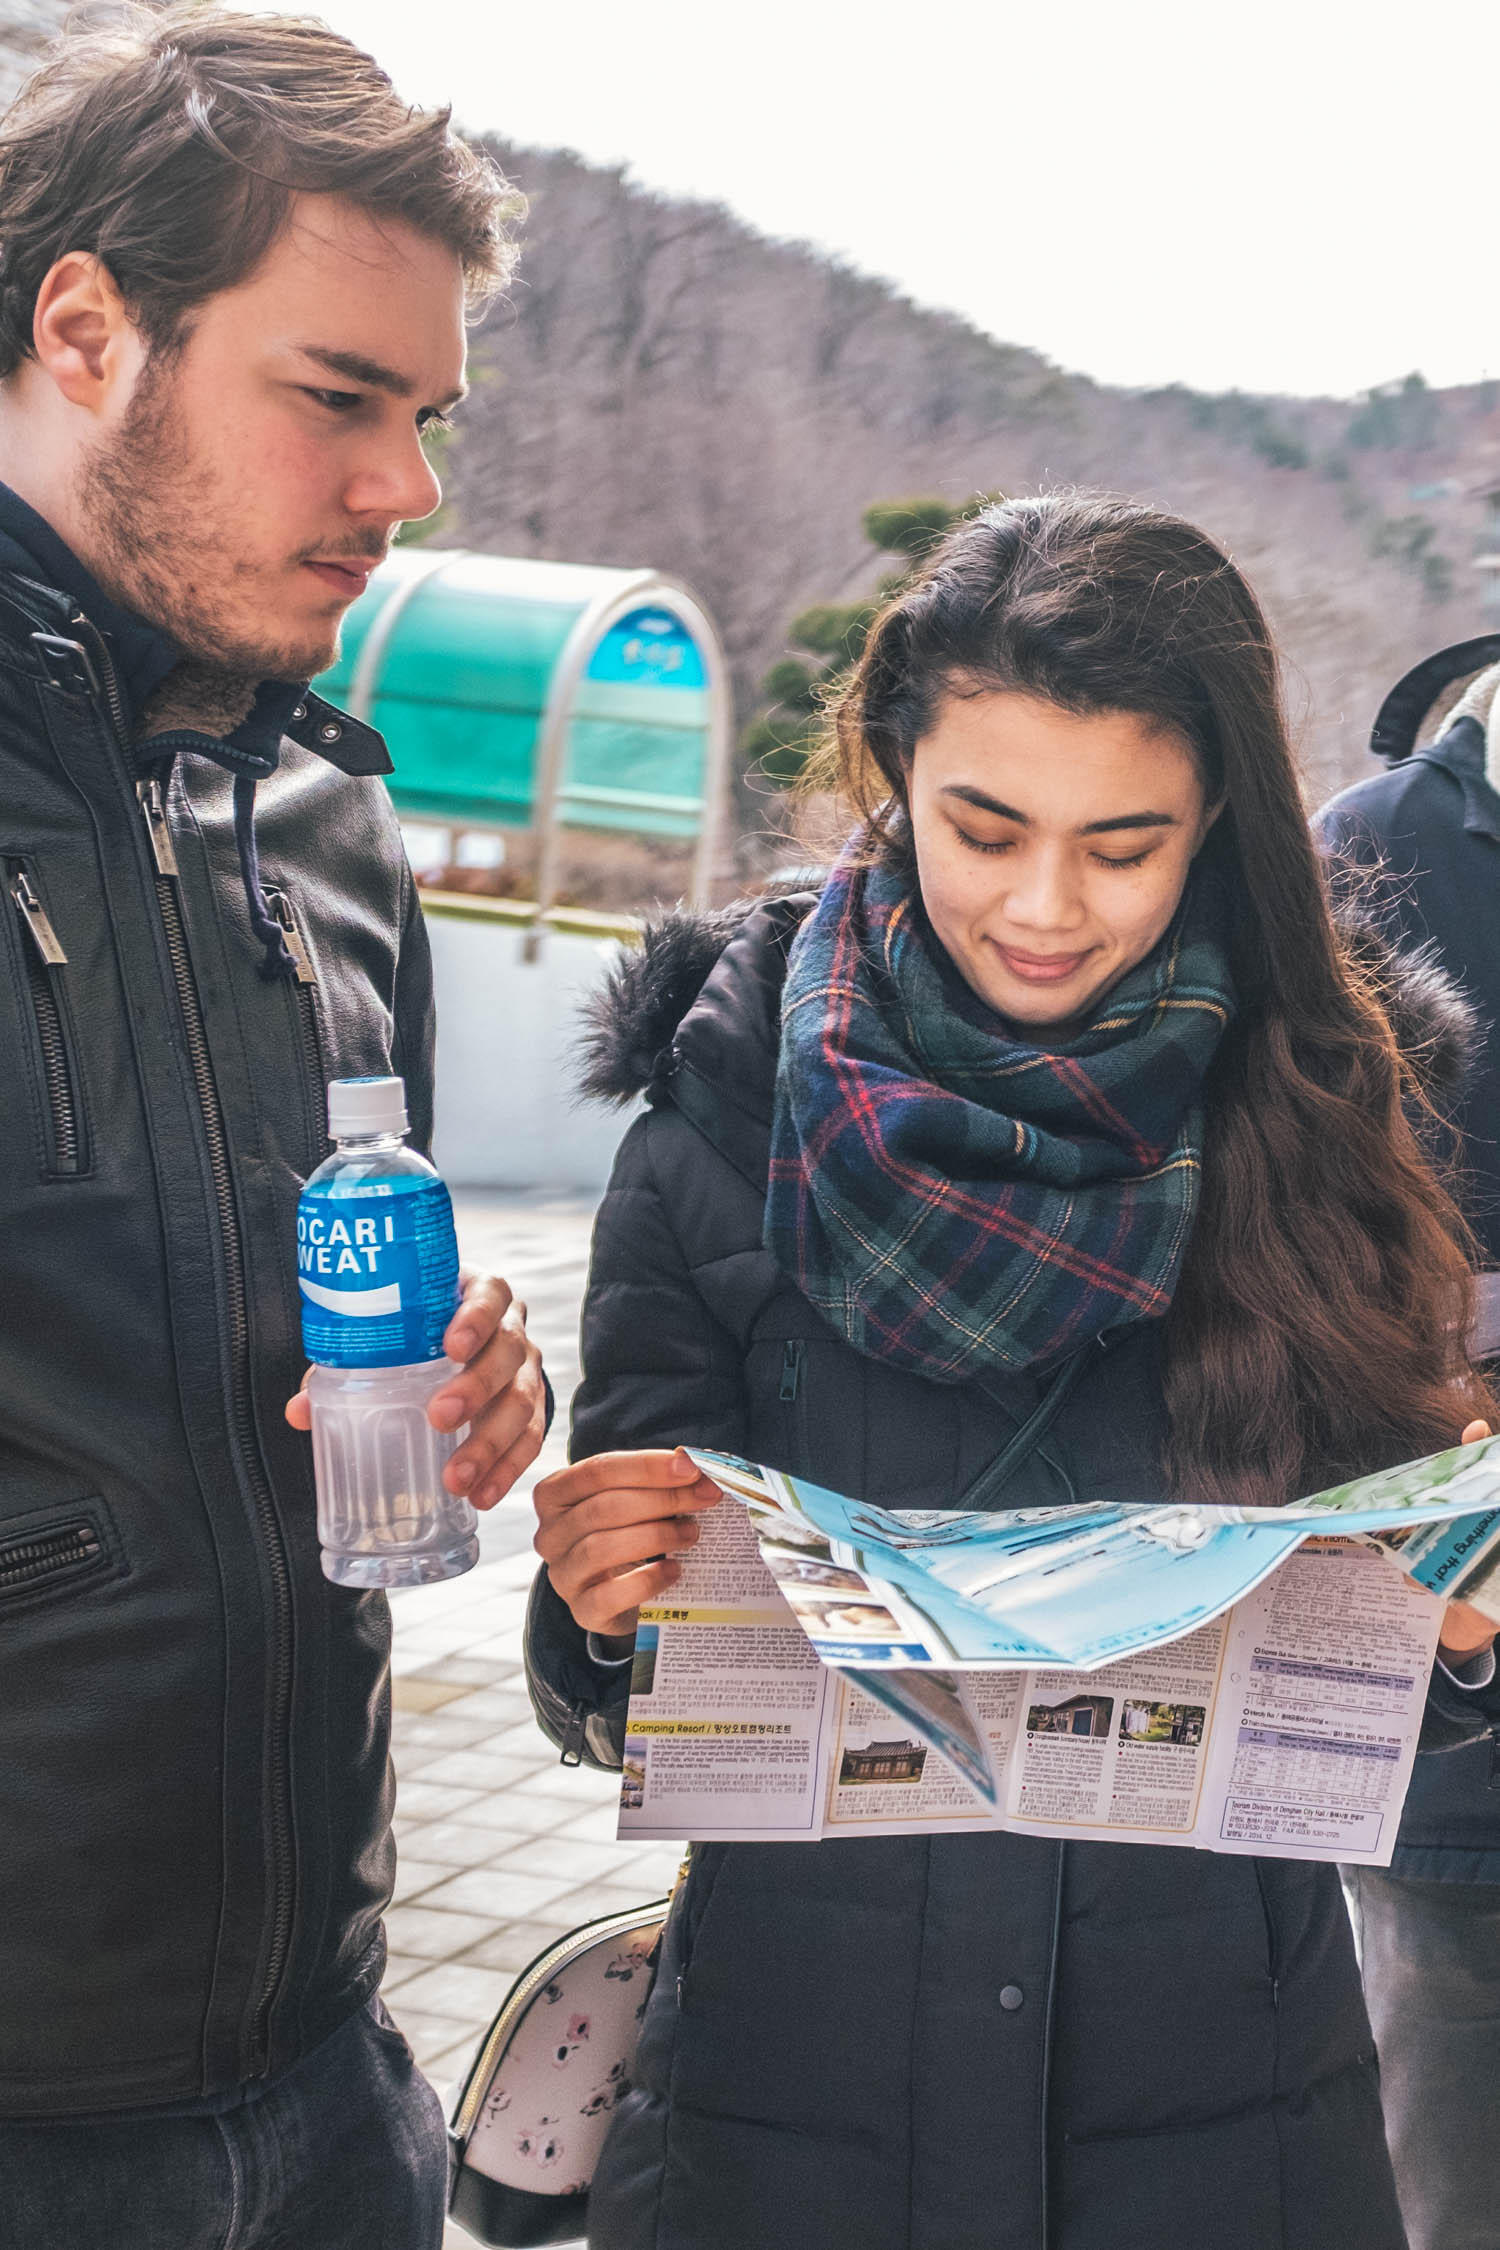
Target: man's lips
column 349, row 577
column 1041, row 968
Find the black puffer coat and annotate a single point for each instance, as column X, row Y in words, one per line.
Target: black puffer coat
column 963, row 2043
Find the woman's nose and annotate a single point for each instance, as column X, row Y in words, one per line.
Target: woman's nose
column 1043, row 894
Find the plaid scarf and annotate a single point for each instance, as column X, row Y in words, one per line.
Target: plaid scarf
column 954, row 1199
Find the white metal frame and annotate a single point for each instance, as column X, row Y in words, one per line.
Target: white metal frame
column 588, row 629
column 365, row 678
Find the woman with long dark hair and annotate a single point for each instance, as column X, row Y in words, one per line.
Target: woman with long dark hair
column 1062, row 1129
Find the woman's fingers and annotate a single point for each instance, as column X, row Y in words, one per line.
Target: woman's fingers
column 659, row 1468
column 611, row 1608
column 615, row 1510
column 615, row 1489
column 1465, row 1631
column 609, row 1530
column 602, row 1554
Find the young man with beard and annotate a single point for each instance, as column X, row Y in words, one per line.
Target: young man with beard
column 233, row 277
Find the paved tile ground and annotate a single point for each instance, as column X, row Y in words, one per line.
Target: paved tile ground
column 501, row 1847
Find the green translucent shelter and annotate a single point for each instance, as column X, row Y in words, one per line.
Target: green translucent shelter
column 515, row 693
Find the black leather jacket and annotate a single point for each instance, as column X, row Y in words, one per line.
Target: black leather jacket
column 194, row 1787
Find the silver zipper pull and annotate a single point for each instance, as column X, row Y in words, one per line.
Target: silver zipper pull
column 154, row 807
column 281, row 907
column 34, row 915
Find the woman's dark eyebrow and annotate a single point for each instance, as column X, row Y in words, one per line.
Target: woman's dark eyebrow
column 985, row 803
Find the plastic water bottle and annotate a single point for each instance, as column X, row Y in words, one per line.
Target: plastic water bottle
column 378, row 1265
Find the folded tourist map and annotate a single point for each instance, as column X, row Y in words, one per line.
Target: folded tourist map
column 1240, row 1680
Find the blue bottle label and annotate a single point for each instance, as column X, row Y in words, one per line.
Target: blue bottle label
column 378, row 1267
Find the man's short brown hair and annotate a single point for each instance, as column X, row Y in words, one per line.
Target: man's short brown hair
column 171, row 143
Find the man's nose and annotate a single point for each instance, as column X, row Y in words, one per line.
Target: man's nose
column 400, row 484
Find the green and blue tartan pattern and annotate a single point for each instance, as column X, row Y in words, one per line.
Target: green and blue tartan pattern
column 954, row 1199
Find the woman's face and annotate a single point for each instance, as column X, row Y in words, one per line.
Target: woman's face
column 1052, row 850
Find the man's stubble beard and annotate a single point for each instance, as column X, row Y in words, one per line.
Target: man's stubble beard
column 161, row 541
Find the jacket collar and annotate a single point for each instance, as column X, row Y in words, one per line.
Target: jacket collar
column 142, row 654
column 1460, row 751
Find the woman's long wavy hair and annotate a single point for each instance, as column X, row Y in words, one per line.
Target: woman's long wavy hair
column 1318, row 1327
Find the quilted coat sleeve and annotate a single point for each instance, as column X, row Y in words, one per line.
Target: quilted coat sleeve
column 658, row 1370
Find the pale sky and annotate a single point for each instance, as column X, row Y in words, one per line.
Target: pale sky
column 1294, row 195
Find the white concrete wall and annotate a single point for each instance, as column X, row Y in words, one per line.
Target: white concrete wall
column 506, row 1114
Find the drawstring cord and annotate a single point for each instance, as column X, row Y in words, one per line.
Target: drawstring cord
column 277, row 960
column 249, row 768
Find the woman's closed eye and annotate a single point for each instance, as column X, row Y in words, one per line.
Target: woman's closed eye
column 993, row 845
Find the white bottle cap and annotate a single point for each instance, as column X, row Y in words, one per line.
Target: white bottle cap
column 358, row 1107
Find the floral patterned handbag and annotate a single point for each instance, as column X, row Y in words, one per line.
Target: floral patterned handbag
column 528, row 2127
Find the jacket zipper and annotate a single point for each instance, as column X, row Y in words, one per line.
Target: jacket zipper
column 44, row 953
column 46, row 1554
column 306, row 983
column 1273, row 1941
column 1044, row 2114
column 791, row 1394
column 279, row 1824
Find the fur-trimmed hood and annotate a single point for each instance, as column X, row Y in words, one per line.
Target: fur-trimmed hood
column 632, row 1020
column 1437, row 1026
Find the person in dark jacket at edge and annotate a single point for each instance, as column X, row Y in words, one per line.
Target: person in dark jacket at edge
column 1423, row 839
column 233, row 271
column 1064, row 1084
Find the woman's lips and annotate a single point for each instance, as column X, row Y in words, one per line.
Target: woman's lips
column 1041, row 968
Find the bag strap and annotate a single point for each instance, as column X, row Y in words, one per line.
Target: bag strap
column 992, row 1479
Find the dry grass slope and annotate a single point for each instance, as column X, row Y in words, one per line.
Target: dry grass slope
column 668, row 387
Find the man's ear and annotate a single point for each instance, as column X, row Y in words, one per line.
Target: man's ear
column 82, row 334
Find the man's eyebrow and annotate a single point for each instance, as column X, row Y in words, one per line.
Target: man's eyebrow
column 983, row 802
column 373, row 373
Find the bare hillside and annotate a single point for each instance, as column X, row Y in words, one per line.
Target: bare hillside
column 668, row 387
column 25, row 28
